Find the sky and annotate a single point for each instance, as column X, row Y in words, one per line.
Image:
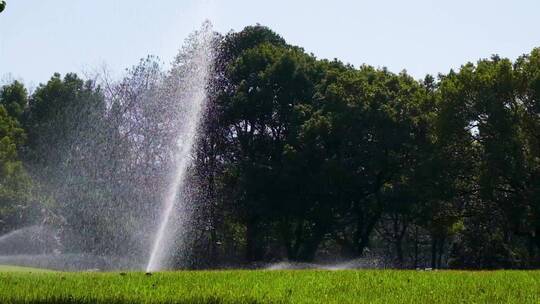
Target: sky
column 40, row 37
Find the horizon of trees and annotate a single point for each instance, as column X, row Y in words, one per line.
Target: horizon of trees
column 298, row 158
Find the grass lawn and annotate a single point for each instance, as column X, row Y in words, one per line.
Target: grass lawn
column 5, row 268
column 296, row 286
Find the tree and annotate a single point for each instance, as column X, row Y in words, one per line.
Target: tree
column 367, row 131
column 297, row 158
column 14, row 98
column 65, row 155
column 491, row 98
column 14, row 181
column 267, row 85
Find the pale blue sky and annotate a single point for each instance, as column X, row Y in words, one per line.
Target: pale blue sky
column 40, row 37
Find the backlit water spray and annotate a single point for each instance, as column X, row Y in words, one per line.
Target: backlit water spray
column 192, row 100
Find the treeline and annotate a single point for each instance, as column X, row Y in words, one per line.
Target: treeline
column 298, row 158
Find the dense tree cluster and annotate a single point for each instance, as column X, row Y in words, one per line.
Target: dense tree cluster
column 312, row 159
column 298, row 158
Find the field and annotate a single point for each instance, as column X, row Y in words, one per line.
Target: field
column 22, row 285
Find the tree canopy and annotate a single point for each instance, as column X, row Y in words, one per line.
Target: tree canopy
column 299, row 158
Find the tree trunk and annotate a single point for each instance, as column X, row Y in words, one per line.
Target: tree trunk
column 310, row 246
column 292, row 239
column 399, row 252
column 440, row 253
column 398, row 234
column 536, row 252
column 253, row 251
column 433, row 252
column 416, row 247
column 363, row 232
column 303, row 245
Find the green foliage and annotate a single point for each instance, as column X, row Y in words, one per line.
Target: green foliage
column 64, row 121
column 268, row 82
column 14, row 182
column 58, row 111
column 486, row 115
column 302, row 158
column 14, row 98
column 318, row 150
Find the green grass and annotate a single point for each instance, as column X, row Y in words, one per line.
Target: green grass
column 5, row 268
column 300, row 286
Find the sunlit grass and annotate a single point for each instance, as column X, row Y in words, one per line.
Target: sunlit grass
column 300, row 286
column 8, row 268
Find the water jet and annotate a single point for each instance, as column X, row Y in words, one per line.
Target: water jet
column 194, row 101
